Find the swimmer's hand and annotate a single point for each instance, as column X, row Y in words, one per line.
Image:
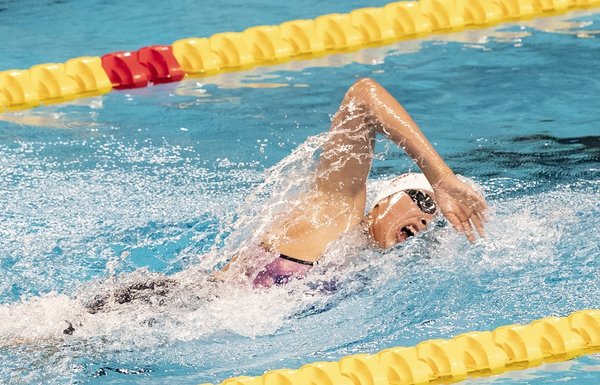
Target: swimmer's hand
column 461, row 205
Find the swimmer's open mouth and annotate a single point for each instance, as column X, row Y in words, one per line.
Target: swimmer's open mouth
column 405, row 232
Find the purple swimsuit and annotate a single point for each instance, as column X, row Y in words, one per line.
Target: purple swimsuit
column 281, row 271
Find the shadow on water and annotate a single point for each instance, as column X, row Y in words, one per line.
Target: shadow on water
column 588, row 142
column 541, row 157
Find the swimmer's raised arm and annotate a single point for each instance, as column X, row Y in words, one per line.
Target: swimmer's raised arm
column 368, row 109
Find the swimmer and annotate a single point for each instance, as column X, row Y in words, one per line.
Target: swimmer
column 338, row 203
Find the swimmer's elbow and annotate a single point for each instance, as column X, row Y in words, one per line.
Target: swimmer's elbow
column 366, row 81
column 363, row 89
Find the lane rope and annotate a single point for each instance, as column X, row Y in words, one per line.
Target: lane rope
column 263, row 45
column 474, row 354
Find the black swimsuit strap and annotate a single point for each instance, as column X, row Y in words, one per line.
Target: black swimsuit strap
column 300, row 261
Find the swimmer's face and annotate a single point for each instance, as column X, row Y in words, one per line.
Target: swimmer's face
column 400, row 216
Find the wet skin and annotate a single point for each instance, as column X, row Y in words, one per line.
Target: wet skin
column 395, row 219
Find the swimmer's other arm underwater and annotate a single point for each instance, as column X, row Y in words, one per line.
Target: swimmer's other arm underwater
column 338, row 202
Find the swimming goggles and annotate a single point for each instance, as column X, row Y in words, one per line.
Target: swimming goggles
column 423, row 200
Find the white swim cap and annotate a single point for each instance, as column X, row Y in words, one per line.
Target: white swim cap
column 408, row 181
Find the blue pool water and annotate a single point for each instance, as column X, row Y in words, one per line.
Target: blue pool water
column 173, row 178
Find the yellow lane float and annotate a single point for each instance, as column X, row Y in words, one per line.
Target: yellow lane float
column 510, row 347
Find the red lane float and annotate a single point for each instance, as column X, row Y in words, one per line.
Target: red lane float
column 152, row 64
column 161, row 64
column 124, row 70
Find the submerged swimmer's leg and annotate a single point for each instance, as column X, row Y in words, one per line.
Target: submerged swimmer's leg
column 154, row 290
column 145, row 291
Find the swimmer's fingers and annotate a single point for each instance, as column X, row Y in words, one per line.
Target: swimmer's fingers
column 480, row 209
column 479, row 216
column 479, row 206
column 455, row 221
column 460, row 221
column 471, row 223
column 474, row 210
column 468, row 230
column 477, row 220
